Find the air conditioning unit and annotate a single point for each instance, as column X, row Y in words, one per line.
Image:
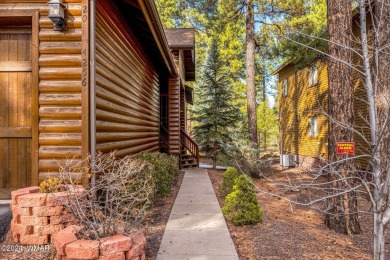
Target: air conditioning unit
column 288, row 160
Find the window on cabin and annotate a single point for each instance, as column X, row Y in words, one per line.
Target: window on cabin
column 285, row 88
column 313, row 126
column 313, row 75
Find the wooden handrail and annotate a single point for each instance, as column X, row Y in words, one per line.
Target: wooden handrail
column 189, row 144
column 164, row 135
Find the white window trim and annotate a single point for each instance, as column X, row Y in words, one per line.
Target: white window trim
column 312, row 127
column 313, row 75
column 285, row 88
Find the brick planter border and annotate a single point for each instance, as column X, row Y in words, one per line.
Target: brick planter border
column 118, row 247
column 37, row 216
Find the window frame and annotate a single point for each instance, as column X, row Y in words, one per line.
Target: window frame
column 312, row 126
column 311, row 76
column 285, row 88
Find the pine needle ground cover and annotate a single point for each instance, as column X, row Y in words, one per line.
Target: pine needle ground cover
column 286, row 234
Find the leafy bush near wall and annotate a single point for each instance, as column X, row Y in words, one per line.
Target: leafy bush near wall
column 228, row 178
column 241, row 206
column 165, row 172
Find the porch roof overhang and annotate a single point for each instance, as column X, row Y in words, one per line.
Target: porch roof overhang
column 150, row 29
column 184, row 39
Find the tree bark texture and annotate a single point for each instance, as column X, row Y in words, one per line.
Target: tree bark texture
column 382, row 15
column 342, row 214
column 250, row 74
column 382, row 47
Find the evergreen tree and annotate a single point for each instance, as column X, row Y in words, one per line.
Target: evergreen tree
column 215, row 115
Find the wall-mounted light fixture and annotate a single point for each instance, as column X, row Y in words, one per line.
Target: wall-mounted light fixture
column 57, row 14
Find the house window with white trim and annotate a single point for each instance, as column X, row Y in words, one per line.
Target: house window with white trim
column 285, row 88
column 313, row 126
column 313, row 75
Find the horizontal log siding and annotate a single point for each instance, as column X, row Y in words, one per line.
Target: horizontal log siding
column 174, row 108
column 59, row 85
column 127, row 91
column 304, row 101
column 174, row 115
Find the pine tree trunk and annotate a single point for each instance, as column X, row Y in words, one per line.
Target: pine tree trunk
column 342, row 214
column 382, row 42
column 264, row 100
column 379, row 236
column 250, row 74
column 382, row 14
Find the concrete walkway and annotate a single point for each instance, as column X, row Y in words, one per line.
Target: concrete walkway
column 196, row 228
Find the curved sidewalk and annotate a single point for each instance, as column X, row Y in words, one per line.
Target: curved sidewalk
column 196, row 228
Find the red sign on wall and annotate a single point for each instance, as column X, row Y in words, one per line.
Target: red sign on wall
column 346, row 148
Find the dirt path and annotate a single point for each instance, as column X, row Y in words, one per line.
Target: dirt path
column 297, row 234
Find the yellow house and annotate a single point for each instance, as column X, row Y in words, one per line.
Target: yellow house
column 303, row 106
column 303, row 99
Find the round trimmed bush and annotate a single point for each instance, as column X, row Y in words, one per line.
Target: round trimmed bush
column 241, row 206
column 228, row 178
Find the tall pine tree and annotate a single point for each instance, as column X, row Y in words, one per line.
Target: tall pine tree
column 341, row 212
column 215, row 115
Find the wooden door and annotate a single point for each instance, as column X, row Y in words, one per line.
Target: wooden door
column 15, row 107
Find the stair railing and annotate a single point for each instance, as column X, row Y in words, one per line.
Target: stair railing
column 189, row 144
column 164, row 136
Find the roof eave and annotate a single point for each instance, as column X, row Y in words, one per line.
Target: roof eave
column 149, row 9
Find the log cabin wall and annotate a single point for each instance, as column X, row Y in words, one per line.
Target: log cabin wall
column 60, row 124
column 174, row 90
column 127, row 88
column 183, row 106
column 182, row 110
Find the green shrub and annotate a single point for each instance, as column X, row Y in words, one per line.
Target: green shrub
column 241, row 206
column 165, row 173
column 228, row 178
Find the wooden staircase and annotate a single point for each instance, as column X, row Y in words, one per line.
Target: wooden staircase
column 189, row 151
column 187, row 160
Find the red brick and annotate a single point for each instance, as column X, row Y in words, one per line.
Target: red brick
column 135, row 251
column 34, row 240
column 46, row 211
column 61, row 239
column 139, row 238
column 114, row 244
column 58, row 198
column 16, row 210
column 48, row 229
column 21, row 229
column 83, row 249
column 21, row 211
column 17, row 193
column 63, row 257
column 16, row 218
column 33, row 221
column 116, row 256
column 32, row 200
column 62, row 219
